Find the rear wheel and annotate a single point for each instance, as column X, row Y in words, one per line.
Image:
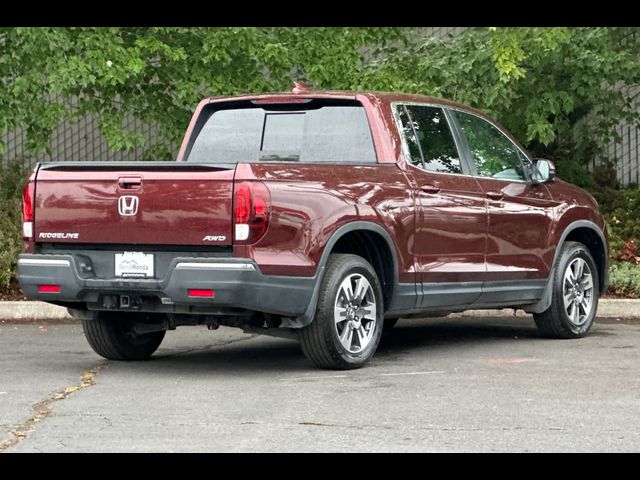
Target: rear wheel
column 575, row 294
column 346, row 330
column 111, row 335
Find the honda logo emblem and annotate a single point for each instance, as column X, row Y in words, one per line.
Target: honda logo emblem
column 128, row 205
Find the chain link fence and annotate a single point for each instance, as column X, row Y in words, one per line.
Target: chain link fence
column 75, row 141
column 626, row 153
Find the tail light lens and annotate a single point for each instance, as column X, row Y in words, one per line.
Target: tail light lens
column 242, row 208
column 251, row 210
column 27, row 209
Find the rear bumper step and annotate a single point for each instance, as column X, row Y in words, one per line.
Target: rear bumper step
column 236, row 283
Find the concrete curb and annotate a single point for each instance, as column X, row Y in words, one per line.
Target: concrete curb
column 30, row 311
column 45, row 312
column 607, row 308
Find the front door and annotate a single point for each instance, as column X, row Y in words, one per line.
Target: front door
column 451, row 221
column 520, row 213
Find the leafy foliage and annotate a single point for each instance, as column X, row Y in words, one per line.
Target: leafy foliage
column 159, row 74
column 558, row 90
column 10, row 241
column 629, row 252
column 11, row 184
column 624, row 280
column 620, row 209
column 552, row 87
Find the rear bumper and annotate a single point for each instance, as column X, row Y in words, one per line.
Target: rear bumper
column 237, row 283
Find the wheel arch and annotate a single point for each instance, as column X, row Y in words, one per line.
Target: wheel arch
column 592, row 237
column 368, row 240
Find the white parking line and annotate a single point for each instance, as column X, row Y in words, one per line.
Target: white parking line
column 410, row 373
column 398, row 374
column 319, row 377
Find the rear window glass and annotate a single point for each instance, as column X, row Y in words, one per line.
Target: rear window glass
column 329, row 134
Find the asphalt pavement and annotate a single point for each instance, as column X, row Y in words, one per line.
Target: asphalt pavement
column 444, row 384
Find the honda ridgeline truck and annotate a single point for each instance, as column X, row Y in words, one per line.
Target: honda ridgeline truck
column 322, row 216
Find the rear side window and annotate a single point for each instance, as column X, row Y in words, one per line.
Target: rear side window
column 429, row 137
column 329, row 134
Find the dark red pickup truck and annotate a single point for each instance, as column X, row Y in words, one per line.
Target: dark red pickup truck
column 323, row 216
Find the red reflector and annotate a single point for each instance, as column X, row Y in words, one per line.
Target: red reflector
column 194, row 292
column 49, row 288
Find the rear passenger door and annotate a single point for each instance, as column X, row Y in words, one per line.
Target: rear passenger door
column 451, row 222
column 519, row 211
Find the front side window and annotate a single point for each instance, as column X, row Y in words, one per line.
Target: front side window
column 325, row 134
column 494, row 154
column 428, row 134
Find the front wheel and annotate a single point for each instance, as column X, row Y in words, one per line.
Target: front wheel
column 575, row 294
column 346, row 330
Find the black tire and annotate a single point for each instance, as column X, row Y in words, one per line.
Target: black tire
column 389, row 323
column 555, row 322
column 319, row 340
column 109, row 335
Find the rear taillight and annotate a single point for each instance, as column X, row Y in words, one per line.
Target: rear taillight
column 242, row 207
column 27, row 210
column 251, row 209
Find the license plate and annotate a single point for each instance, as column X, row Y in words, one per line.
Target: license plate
column 134, row 264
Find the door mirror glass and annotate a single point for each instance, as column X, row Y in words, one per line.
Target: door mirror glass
column 543, row 171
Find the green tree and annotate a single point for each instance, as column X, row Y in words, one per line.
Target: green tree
column 159, row 74
column 561, row 91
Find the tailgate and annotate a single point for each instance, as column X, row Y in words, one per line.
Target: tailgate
column 160, row 203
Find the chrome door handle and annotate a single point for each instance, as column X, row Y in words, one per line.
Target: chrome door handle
column 127, row 183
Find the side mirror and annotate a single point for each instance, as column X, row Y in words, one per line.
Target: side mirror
column 543, row 171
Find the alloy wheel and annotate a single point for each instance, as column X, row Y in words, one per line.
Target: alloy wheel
column 577, row 291
column 355, row 313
